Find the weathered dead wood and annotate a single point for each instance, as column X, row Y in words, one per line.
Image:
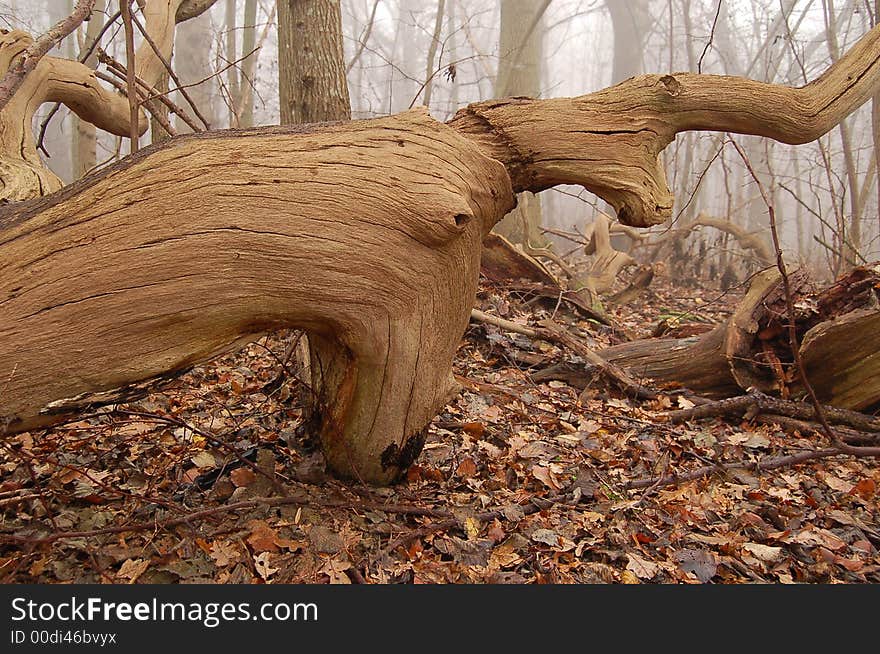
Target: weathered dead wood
column 502, row 262
column 367, row 235
column 22, row 173
column 755, row 403
column 25, row 63
column 752, row 241
column 841, row 351
column 607, row 262
column 639, row 283
column 555, row 333
column 313, row 227
column 54, row 79
column 609, row 141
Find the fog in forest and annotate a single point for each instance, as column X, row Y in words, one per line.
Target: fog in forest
column 448, row 53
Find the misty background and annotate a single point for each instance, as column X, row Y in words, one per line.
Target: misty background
column 448, row 53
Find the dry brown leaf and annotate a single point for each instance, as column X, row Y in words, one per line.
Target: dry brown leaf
column 262, row 538
column 131, row 569
column 764, row 553
column 224, row 553
column 242, row 477
column 467, row 468
column 641, row 568
column 262, row 565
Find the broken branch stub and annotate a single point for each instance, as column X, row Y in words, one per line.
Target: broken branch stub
column 331, row 229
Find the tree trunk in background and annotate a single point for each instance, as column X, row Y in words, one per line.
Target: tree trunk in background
column 192, row 57
column 232, row 78
column 519, row 73
column 630, row 20
column 311, row 69
column 85, row 136
column 853, row 245
column 249, row 65
column 57, row 139
column 408, row 48
column 451, row 28
column 432, row 53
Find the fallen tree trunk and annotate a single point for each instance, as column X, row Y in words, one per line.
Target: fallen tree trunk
column 366, row 234
column 749, row 351
column 280, row 227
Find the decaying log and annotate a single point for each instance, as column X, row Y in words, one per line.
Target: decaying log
column 640, row 281
column 839, row 346
column 756, row 402
column 500, row 260
column 114, row 280
column 552, row 332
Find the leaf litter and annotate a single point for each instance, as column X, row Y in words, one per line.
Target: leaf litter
column 214, row 479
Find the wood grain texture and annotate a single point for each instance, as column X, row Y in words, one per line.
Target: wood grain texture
column 365, row 234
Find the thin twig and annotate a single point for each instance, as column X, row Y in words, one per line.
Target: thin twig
column 173, row 76
column 131, row 83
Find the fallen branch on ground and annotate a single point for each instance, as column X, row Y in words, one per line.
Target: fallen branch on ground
column 552, row 332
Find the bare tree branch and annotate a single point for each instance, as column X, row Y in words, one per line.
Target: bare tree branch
column 13, row 77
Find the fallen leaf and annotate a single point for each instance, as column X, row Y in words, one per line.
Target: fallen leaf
column 131, row 569
column 261, row 565
column 699, row 562
column 203, row 460
column 642, row 568
column 467, row 468
column 684, row 403
column 835, row 483
column 545, row 536
column 242, row 477
column 335, row 570
column 865, row 489
column 471, row 527
column 475, row 429
column 224, row 553
column 765, row 553
column 627, row 577
column 263, row 538
column 496, row 532
column 546, row 476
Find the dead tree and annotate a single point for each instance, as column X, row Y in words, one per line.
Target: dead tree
column 55, row 79
column 837, row 329
column 367, row 235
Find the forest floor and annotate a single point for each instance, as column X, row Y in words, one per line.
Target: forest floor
column 210, row 480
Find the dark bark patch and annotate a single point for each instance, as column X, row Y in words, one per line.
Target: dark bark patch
column 403, row 457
